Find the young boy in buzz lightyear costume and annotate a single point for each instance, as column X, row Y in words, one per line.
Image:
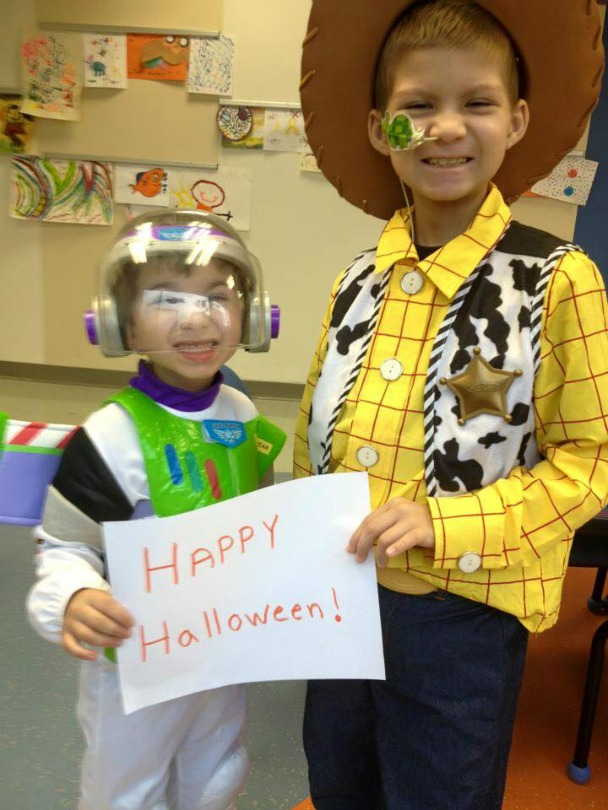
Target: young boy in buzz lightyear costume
column 181, row 288
column 464, row 364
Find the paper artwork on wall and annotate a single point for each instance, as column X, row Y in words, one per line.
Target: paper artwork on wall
column 569, row 182
column 158, row 57
column 105, row 60
column 229, row 127
column 284, row 131
column 235, row 123
column 61, row 190
column 308, row 162
column 225, row 191
column 15, row 127
column 52, row 75
column 211, row 65
column 141, row 185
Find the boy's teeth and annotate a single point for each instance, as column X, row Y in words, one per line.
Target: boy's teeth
column 447, row 161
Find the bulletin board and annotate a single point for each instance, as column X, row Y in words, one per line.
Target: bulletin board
column 154, row 122
column 149, row 121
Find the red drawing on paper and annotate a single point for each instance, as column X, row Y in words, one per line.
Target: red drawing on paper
column 208, row 196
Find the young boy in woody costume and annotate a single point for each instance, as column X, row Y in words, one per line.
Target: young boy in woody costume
column 464, row 364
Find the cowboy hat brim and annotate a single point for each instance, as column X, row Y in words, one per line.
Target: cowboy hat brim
column 559, row 43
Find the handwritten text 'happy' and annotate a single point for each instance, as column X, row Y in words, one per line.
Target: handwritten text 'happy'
column 218, row 552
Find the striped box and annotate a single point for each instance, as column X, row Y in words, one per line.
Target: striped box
column 29, row 457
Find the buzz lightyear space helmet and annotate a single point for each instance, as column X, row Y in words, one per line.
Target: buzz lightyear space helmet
column 166, row 263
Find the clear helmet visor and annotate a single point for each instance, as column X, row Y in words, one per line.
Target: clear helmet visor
column 193, row 309
column 182, row 281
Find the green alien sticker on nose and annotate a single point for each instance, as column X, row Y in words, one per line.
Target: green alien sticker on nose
column 401, row 132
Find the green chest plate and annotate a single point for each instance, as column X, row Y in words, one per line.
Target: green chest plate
column 191, row 464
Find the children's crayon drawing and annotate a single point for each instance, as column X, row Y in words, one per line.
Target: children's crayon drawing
column 141, row 185
column 230, row 123
column 61, row 190
column 15, row 127
column 154, row 56
column 52, row 75
column 211, row 63
column 570, row 181
column 105, row 60
column 235, row 123
column 249, row 589
column 284, row 131
column 224, row 191
column 308, row 163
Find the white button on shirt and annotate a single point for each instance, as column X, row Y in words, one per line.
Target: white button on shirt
column 469, row 562
column 367, row 456
column 412, row 282
column 391, row 369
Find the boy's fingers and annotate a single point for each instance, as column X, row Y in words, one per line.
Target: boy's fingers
column 107, row 605
column 366, row 531
column 71, row 646
column 358, row 546
column 85, row 634
column 108, row 625
column 363, row 548
column 386, row 552
column 121, row 615
column 98, row 630
column 352, row 543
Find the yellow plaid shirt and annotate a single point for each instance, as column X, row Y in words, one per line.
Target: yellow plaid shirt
column 521, row 525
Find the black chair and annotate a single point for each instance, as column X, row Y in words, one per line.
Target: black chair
column 590, row 550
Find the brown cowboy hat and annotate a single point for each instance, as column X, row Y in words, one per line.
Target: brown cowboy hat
column 560, row 46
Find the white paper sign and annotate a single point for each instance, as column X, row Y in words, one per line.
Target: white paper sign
column 258, row 588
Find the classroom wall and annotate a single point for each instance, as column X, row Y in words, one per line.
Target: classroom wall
column 301, row 231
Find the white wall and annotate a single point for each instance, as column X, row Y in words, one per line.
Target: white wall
column 21, row 300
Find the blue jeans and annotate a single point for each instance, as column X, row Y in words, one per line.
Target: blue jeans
column 436, row 734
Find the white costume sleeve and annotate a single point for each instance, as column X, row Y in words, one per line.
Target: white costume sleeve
column 70, row 546
column 62, row 569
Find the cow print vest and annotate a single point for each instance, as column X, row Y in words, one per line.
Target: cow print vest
column 497, row 311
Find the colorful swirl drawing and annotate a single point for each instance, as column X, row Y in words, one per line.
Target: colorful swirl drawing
column 61, row 190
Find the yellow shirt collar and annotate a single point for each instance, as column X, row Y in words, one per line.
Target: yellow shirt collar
column 452, row 264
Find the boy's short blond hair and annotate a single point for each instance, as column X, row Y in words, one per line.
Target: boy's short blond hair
column 445, row 24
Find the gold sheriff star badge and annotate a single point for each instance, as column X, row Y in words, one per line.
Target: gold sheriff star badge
column 481, row 388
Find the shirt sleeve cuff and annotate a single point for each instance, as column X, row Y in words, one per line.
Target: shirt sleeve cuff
column 469, row 531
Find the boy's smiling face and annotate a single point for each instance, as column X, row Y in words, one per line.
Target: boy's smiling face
column 459, row 96
column 189, row 325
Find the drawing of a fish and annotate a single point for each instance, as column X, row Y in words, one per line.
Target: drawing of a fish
column 149, row 183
